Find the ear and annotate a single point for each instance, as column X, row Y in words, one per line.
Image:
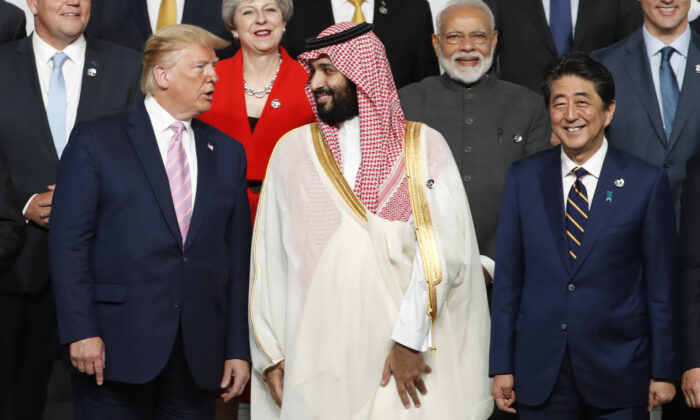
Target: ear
column 161, row 77
column 32, row 7
column 436, row 44
column 609, row 113
column 494, row 40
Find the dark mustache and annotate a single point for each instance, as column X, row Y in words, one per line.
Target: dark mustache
column 322, row 91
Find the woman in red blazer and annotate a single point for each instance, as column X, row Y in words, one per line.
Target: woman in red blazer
column 260, row 94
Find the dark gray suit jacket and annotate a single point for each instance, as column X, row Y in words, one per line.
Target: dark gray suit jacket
column 11, row 220
column 525, row 43
column 12, row 22
column 26, row 140
column 637, row 126
column 487, row 125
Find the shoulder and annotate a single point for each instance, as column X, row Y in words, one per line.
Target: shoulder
column 116, row 53
column 617, row 50
column 516, row 92
column 11, row 12
column 538, row 161
column 632, row 164
column 420, row 89
column 11, row 49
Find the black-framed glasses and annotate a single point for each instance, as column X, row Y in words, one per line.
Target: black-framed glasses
column 477, row 37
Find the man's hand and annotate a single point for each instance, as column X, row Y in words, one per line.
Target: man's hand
column 660, row 392
column 503, row 393
column 274, row 377
column 406, row 365
column 691, row 387
column 88, row 356
column 234, row 379
column 39, row 208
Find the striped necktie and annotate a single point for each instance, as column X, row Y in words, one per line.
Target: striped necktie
column 178, row 171
column 576, row 214
column 358, row 17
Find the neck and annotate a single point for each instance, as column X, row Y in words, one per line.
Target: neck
column 58, row 44
column 259, row 68
column 667, row 36
column 171, row 107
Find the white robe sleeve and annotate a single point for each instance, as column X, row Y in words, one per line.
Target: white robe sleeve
column 412, row 328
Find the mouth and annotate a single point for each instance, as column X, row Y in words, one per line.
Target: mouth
column 70, row 14
column 574, row 130
column 262, row 32
column 208, row 95
column 667, row 11
column 322, row 96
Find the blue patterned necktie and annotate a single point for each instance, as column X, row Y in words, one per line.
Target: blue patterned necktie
column 56, row 105
column 576, row 214
column 561, row 26
column 669, row 90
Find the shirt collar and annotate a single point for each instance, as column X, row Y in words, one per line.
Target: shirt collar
column 593, row 165
column 44, row 52
column 160, row 118
column 680, row 44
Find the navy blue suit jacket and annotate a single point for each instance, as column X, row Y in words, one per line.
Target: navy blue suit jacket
column 638, row 126
column 615, row 308
column 118, row 266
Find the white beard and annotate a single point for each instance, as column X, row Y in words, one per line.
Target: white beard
column 466, row 75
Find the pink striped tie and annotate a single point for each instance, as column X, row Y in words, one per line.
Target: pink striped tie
column 179, row 177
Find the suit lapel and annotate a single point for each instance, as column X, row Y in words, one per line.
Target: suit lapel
column 535, row 11
column 30, row 78
column 601, row 208
column 637, row 66
column 88, row 88
column 553, row 201
column 586, row 13
column 139, row 11
column 143, row 139
column 206, row 178
column 690, row 91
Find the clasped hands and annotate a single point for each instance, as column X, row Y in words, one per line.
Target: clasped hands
column 405, row 364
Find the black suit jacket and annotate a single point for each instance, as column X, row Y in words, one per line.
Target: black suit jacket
column 126, row 22
column 525, row 43
column 690, row 258
column 12, row 22
column 405, row 30
column 695, row 25
column 26, row 140
column 11, row 220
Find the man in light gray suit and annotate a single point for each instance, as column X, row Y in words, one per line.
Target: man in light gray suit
column 488, row 123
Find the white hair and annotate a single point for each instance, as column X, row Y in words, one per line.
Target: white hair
column 465, row 3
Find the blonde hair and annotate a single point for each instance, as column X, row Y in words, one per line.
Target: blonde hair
column 165, row 46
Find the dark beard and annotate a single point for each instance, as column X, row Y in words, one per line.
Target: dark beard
column 343, row 105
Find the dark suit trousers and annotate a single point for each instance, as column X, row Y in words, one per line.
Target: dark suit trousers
column 28, row 348
column 566, row 402
column 172, row 395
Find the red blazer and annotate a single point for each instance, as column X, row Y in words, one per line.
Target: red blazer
column 228, row 112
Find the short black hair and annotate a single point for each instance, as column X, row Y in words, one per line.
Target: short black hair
column 581, row 65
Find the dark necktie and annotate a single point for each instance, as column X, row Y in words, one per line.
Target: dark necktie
column 576, row 214
column 669, row 90
column 561, row 26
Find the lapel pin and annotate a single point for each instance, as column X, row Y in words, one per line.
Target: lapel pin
column 210, row 147
column 619, row 182
column 430, row 184
column 92, row 72
column 382, row 9
column 517, row 138
column 276, row 103
column 697, row 68
column 608, row 197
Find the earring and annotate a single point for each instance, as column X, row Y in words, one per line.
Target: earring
column 284, row 29
column 235, row 36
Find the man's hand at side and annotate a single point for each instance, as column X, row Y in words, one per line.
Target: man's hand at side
column 407, row 366
column 88, row 356
column 39, row 208
column 691, row 387
column 274, row 377
column 235, row 377
column 660, row 392
column 503, row 393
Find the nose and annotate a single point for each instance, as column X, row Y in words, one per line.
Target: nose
column 316, row 80
column 260, row 17
column 571, row 112
column 467, row 44
column 212, row 75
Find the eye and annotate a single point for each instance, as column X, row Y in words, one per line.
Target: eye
column 478, row 35
column 452, row 36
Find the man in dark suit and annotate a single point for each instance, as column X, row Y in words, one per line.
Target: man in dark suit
column 131, row 22
column 584, row 312
column 11, row 220
column 12, row 22
column 150, row 246
column 522, row 54
column 403, row 26
column 663, row 133
column 42, row 103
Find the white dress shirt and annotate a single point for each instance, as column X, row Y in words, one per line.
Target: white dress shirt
column 161, row 121
column 678, row 59
column 343, row 10
column 154, row 8
column 412, row 327
column 72, row 75
column 574, row 12
column 593, row 166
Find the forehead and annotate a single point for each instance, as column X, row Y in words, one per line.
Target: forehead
column 322, row 61
column 258, row 3
column 464, row 18
column 570, row 85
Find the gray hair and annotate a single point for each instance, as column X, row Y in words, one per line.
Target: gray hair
column 464, row 3
column 228, row 10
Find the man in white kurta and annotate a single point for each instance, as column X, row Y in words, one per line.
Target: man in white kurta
column 367, row 299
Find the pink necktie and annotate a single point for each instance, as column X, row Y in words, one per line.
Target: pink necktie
column 179, row 177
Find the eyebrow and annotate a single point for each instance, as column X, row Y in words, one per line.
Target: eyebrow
column 561, row 95
column 326, row 66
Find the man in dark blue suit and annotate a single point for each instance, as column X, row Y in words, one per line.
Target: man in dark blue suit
column 584, row 315
column 150, row 244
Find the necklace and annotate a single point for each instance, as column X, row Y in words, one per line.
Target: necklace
column 259, row 93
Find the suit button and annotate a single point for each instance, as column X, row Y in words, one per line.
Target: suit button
column 572, row 287
column 176, row 304
column 470, row 95
column 184, row 258
column 468, row 149
column 563, row 327
column 470, row 121
column 467, row 178
column 668, row 164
